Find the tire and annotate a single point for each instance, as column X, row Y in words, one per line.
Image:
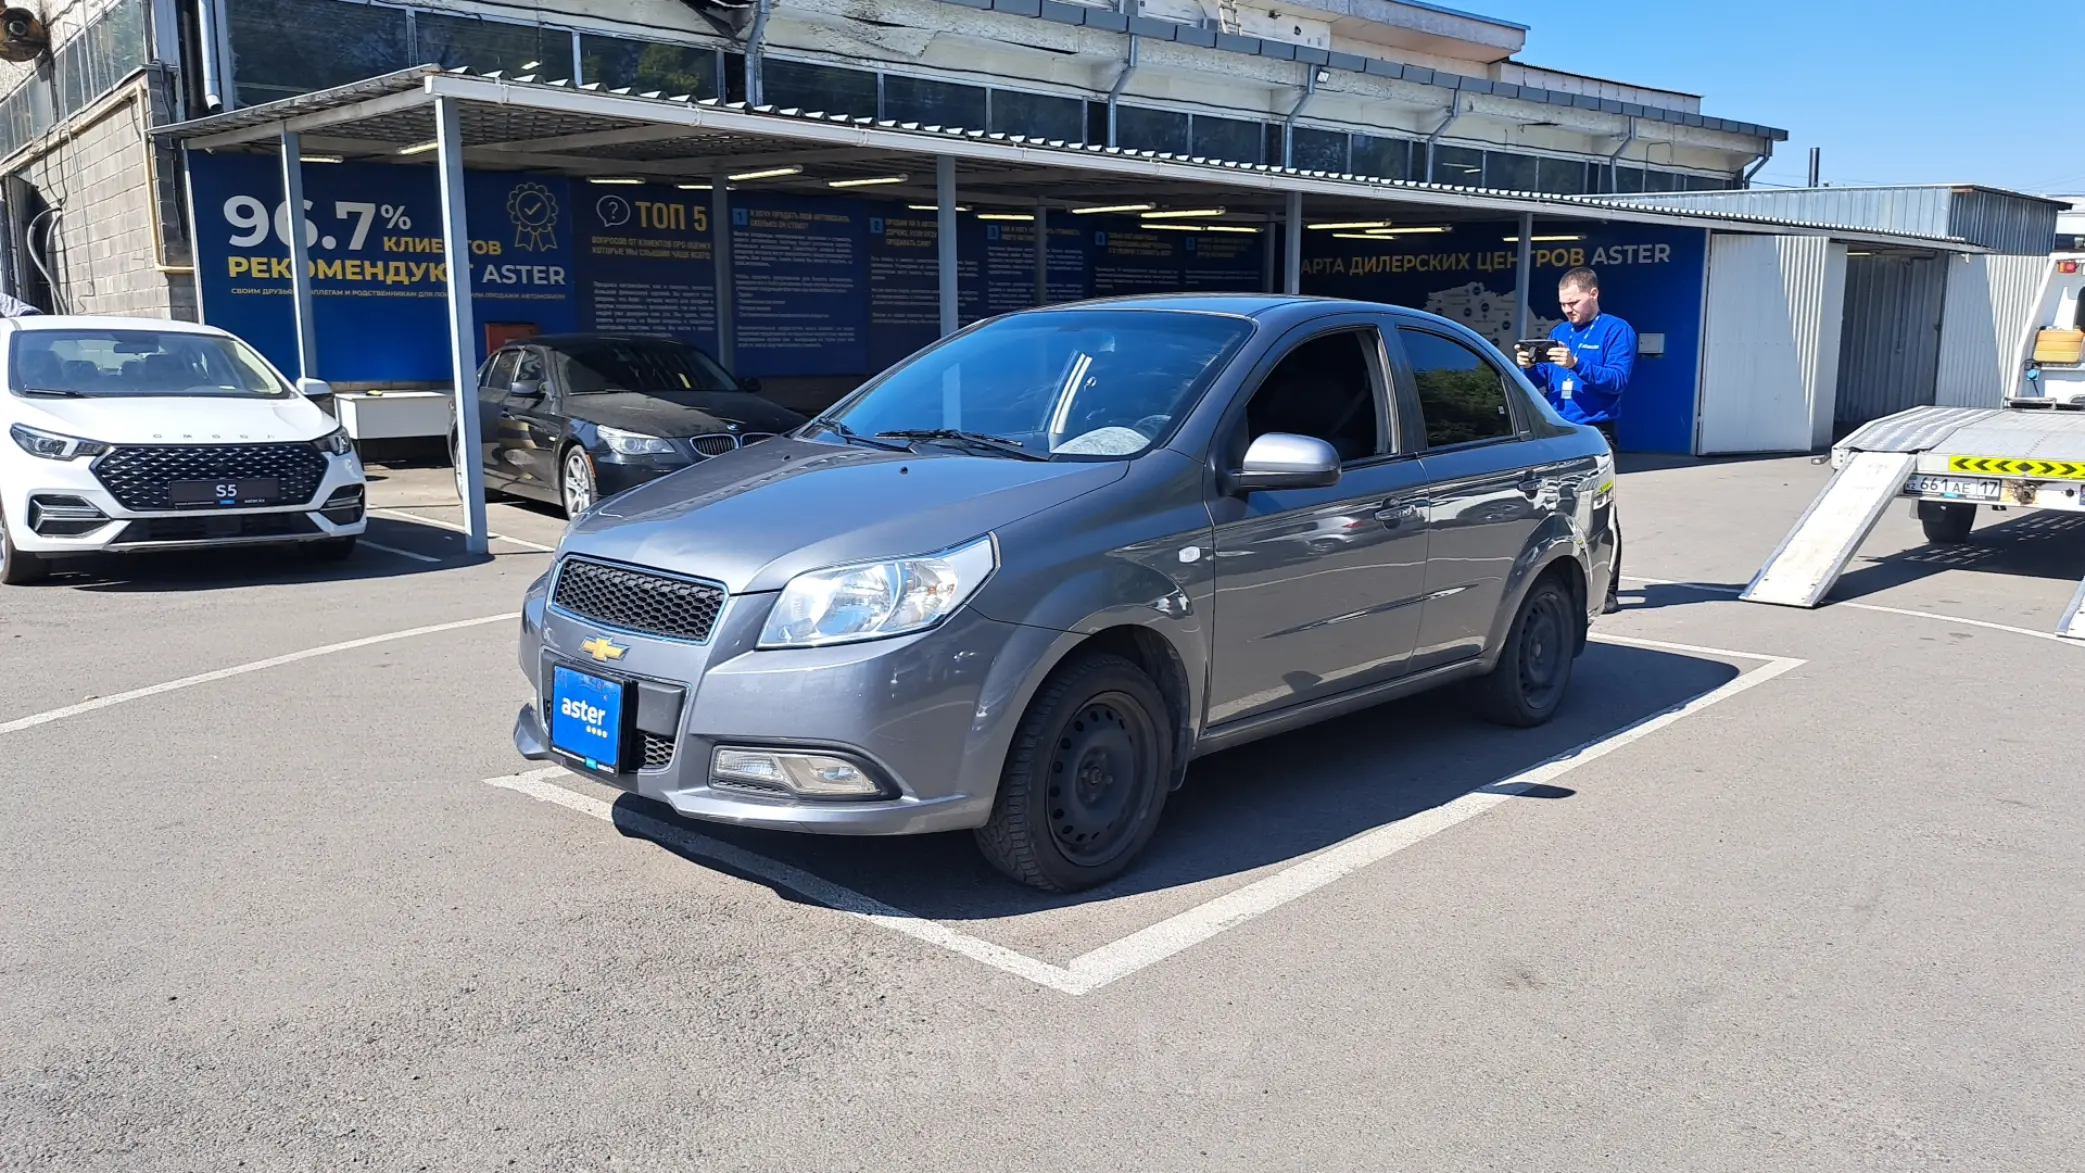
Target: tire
column 576, row 490
column 1947, row 523
column 1085, row 780
column 334, row 549
column 1534, row 669
column 18, row 567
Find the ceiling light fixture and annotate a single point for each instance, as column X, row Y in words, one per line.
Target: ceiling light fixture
column 1538, row 237
column 935, row 207
column 872, row 181
column 321, row 159
column 607, row 180
column 1176, row 227
column 767, row 173
column 1113, row 208
column 1232, row 228
column 1405, row 231
column 1014, row 216
column 696, row 186
column 1364, row 236
column 419, row 148
column 1184, row 214
column 1350, row 225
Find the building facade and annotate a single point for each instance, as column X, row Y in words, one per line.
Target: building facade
column 1392, row 89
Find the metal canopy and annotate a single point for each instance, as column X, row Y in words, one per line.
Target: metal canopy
column 526, row 124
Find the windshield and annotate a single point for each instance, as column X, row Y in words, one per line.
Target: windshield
column 115, row 363
column 1076, row 383
column 610, row 365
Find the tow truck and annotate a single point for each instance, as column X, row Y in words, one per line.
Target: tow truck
column 2028, row 454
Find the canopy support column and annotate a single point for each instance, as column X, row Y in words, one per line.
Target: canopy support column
column 300, row 255
column 463, row 329
column 945, row 239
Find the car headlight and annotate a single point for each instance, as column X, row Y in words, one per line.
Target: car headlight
column 633, row 443
column 875, row 599
column 334, row 443
column 52, row 446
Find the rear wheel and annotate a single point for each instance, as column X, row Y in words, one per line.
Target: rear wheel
column 18, row 567
column 1947, row 523
column 1534, row 668
column 576, row 482
column 1085, row 780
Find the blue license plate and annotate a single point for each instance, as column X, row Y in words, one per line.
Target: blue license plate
column 586, row 718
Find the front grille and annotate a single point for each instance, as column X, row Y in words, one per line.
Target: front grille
column 754, row 438
column 206, row 529
column 635, row 600
column 138, row 476
column 658, row 751
column 714, row 445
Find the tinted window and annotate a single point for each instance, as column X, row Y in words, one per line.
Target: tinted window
column 817, row 87
column 1089, row 383
column 530, row 368
column 1321, row 150
column 1043, row 116
column 933, row 103
column 1462, row 396
column 629, row 365
column 486, row 45
column 284, row 47
column 139, row 363
column 1383, row 158
column 1323, row 388
column 1563, row 176
column 1458, row 165
column 1510, row 172
column 1628, row 179
column 1227, row 138
column 1138, row 129
column 644, row 66
column 499, row 374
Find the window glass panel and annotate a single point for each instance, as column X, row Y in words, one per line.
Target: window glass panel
column 1138, row 129
column 1319, row 150
column 1458, row 165
column 1323, row 388
column 1628, row 179
column 933, row 103
column 499, row 373
column 1462, row 397
column 1383, row 158
column 1043, row 116
column 285, row 47
column 485, row 45
column 1509, row 172
column 643, row 66
column 1660, row 181
column 1707, row 183
column 1231, row 139
column 818, row 87
column 1563, row 176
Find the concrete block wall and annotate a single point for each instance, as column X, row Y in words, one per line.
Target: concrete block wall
column 121, row 246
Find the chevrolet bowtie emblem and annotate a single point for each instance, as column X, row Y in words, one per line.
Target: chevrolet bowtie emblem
column 603, row 649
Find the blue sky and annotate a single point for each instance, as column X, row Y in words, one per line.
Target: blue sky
column 1991, row 91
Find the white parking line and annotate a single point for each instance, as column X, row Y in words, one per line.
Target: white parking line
column 453, row 528
column 1146, row 947
column 401, row 553
column 103, row 702
column 1710, row 588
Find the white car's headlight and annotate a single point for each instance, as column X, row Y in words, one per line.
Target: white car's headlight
column 52, row 446
column 875, row 599
column 334, row 443
column 633, row 443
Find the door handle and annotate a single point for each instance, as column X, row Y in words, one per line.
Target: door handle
column 1396, row 513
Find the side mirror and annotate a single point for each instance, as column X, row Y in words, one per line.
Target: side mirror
column 526, row 389
column 1282, row 460
column 315, row 388
column 752, row 385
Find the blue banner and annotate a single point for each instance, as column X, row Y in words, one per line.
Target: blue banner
column 1650, row 277
column 647, row 262
column 798, row 287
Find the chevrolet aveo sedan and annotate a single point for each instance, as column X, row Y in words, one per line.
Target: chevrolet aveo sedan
column 1016, row 583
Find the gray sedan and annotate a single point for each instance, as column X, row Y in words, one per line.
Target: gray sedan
column 1016, row 583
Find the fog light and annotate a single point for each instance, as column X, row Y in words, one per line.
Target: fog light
column 813, row 775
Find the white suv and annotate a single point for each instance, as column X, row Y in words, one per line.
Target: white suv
column 131, row 434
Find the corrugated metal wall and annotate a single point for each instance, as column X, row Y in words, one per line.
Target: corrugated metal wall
column 1891, row 340
column 2004, row 221
column 1989, row 300
column 1770, row 350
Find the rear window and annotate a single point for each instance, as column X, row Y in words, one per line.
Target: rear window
column 139, row 363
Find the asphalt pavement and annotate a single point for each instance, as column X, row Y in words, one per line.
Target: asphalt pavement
column 1778, row 890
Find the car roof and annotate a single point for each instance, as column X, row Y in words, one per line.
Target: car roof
column 578, row 338
column 1250, row 305
column 102, row 322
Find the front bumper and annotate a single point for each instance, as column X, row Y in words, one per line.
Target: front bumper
column 930, row 714
column 26, row 479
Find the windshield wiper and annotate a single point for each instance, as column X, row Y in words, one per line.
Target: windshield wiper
column 850, row 435
column 53, row 392
column 975, row 439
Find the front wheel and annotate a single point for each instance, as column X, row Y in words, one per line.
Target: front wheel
column 576, row 482
column 1534, row 668
column 18, row 567
column 1947, row 523
column 1085, row 780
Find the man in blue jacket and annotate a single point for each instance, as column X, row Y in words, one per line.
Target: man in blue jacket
column 1586, row 371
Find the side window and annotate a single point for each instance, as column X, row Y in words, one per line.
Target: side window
column 1462, row 396
column 1325, row 387
column 530, row 368
column 499, row 373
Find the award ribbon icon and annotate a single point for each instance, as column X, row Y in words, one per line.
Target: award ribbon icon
column 533, row 209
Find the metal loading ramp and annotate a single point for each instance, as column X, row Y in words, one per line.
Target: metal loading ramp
column 1809, row 561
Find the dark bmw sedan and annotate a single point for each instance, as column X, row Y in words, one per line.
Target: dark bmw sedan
column 572, row 418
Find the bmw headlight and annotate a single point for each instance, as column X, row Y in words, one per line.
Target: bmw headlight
column 334, row 443
column 52, row 446
column 633, row 443
column 875, row 599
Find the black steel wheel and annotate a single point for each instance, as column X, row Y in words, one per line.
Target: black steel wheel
column 1534, row 667
column 1085, row 780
